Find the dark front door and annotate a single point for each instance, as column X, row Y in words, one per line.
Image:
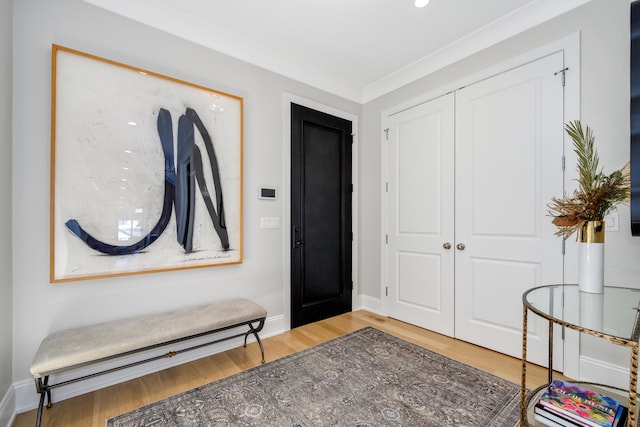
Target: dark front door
column 320, row 215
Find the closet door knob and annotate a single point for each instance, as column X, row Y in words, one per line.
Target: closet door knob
column 447, row 246
column 460, row 246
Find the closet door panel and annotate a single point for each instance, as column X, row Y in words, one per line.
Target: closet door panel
column 420, row 213
column 509, row 147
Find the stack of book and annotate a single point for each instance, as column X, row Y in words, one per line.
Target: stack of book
column 569, row 405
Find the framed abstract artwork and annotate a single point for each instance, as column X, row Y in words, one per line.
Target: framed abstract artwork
column 146, row 171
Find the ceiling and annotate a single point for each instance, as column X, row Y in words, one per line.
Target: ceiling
column 357, row 49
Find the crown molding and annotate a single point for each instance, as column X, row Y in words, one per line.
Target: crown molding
column 528, row 16
column 174, row 21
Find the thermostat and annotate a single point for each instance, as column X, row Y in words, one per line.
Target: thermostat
column 267, row 193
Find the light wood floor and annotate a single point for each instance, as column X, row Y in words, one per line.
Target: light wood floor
column 92, row 409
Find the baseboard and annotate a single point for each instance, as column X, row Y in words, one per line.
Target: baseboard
column 598, row 371
column 371, row 304
column 7, row 407
column 26, row 397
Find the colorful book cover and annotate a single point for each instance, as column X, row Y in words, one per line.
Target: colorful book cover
column 594, row 409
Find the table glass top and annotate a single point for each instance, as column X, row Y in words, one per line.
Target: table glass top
column 613, row 313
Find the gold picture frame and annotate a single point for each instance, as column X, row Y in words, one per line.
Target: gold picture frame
column 146, row 171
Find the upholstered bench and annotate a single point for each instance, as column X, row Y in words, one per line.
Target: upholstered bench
column 73, row 348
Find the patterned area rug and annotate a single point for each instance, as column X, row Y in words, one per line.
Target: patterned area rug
column 365, row 378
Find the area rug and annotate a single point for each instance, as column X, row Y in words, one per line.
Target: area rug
column 364, row 378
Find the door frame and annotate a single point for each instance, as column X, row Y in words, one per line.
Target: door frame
column 570, row 46
column 287, row 100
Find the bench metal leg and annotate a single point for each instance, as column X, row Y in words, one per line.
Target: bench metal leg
column 43, row 389
column 255, row 331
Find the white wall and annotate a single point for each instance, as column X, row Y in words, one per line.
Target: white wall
column 604, row 28
column 40, row 307
column 6, row 347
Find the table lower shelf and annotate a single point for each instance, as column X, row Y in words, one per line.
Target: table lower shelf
column 619, row 394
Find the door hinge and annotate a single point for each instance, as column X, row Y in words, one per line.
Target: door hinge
column 386, row 239
column 386, row 187
column 564, row 73
column 386, row 291
column 564, row 163
column 386, row 134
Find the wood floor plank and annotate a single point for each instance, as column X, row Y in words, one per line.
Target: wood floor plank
column 92, row 409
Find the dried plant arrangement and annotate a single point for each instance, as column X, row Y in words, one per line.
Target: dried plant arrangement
column 597, row 193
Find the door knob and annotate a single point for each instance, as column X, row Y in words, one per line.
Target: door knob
column 447, row 245
column 460, row 246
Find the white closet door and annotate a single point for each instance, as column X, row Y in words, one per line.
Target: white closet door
column 420, row 215
column 509, row 147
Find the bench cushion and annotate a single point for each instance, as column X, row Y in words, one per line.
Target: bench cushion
column 78, row 346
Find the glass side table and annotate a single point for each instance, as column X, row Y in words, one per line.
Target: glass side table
column 612, row 315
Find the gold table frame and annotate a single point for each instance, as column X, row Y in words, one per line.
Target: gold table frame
column 631, row 342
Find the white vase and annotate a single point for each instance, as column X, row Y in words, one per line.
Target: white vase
column 591, row 262
column 592, row 311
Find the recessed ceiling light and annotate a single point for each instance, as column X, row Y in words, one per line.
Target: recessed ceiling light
column 421, row 3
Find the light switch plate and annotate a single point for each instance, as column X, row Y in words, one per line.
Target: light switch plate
column 612, row 222
column 269, row 222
